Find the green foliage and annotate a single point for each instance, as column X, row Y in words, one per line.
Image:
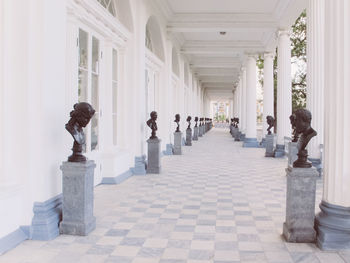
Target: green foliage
column 298, row 46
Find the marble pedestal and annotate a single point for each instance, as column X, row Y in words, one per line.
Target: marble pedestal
column 292, row 153
column 200, row 131
column 78, row 198
column 235, row 134
column 188, row 137
column 269, row 144
column 231, row 130
column 300, row 205
column 250, row 143
column 153, row 158
column 195, row 134
column 177, row 143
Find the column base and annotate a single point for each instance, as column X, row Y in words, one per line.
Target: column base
column 279, row 152
column 140, row 165
column 169, row 149
column 242, row 136
column 250, row 143
column 333, row 227
column 317, row 164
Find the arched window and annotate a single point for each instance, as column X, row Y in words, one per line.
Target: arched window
column 148, row 40
column 109, row 5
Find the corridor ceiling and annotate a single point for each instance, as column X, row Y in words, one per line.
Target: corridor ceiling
column 250, row 26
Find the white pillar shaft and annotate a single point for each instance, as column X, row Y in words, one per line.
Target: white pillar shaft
column 268, row 88
column 315, row 72
column 239, row 102
column 337, row 106
column 251, row 98
column 232, row 112
column 284, row 88
column 244, row 101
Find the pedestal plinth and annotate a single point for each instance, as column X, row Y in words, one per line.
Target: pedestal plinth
column 231, row 130
column 292, row 153
column 300, row 205
column 153, row 158
column 177, row 143
column 235, row 134
column 188, row 137
column 269, row 144
column 195, row 134
column 78, row 198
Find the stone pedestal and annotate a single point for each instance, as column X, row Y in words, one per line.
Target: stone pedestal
column 292, row 153
column 153, row 158
column 300, row 205
column 237, row 135
column 177, row 143
column 188, row 137
column 231, row 130
column 78, row 198
column 269, row 144
column 195, row 134
column 200, row 131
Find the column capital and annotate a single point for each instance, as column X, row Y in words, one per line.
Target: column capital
column 283, row 32
column 269, row 55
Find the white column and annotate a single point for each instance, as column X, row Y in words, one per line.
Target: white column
column 334, row 220
column 243, row 119
column 251, row 98
column 239, row 100
column 315, row 73
column 232, row 112
column 268, row 89
column 284, row 87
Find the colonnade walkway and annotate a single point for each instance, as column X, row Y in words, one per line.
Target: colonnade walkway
column 218, row 202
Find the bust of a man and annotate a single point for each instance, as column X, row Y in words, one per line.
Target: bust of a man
column 303, row 127
column 177, row 120
column 271, row 122
column 80, row 116
column 292, row 119
column 189, row 118
column 196, row 120
column 152, row 124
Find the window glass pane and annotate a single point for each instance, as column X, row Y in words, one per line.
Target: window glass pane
column 83, row 49
column 95, row 55
column 109, row 5
column 82, row 85
column 95, row 105
column 148, row 40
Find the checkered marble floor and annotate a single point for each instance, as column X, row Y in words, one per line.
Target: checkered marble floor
column 218, row 202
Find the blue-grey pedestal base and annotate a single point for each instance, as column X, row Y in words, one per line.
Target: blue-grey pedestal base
column 188, row 137
column 279, row 151
column 195, row 134
column 317, row 164
column 177, row 150
column 250, row 143
column 78, row 198
column 169, row 149
column 300, row 205
column 140, row 165
column 292, row 153
column 269, row 144
column 237, row 135
column 153, row 158
column 333, row 227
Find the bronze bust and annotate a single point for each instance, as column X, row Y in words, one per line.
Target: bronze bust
column 303, row 127
column 177, row 120
column 294, row 133
column 271, row 122
column 152, row 124
column 196, row 120
column 79, row 118
column 189, row 118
